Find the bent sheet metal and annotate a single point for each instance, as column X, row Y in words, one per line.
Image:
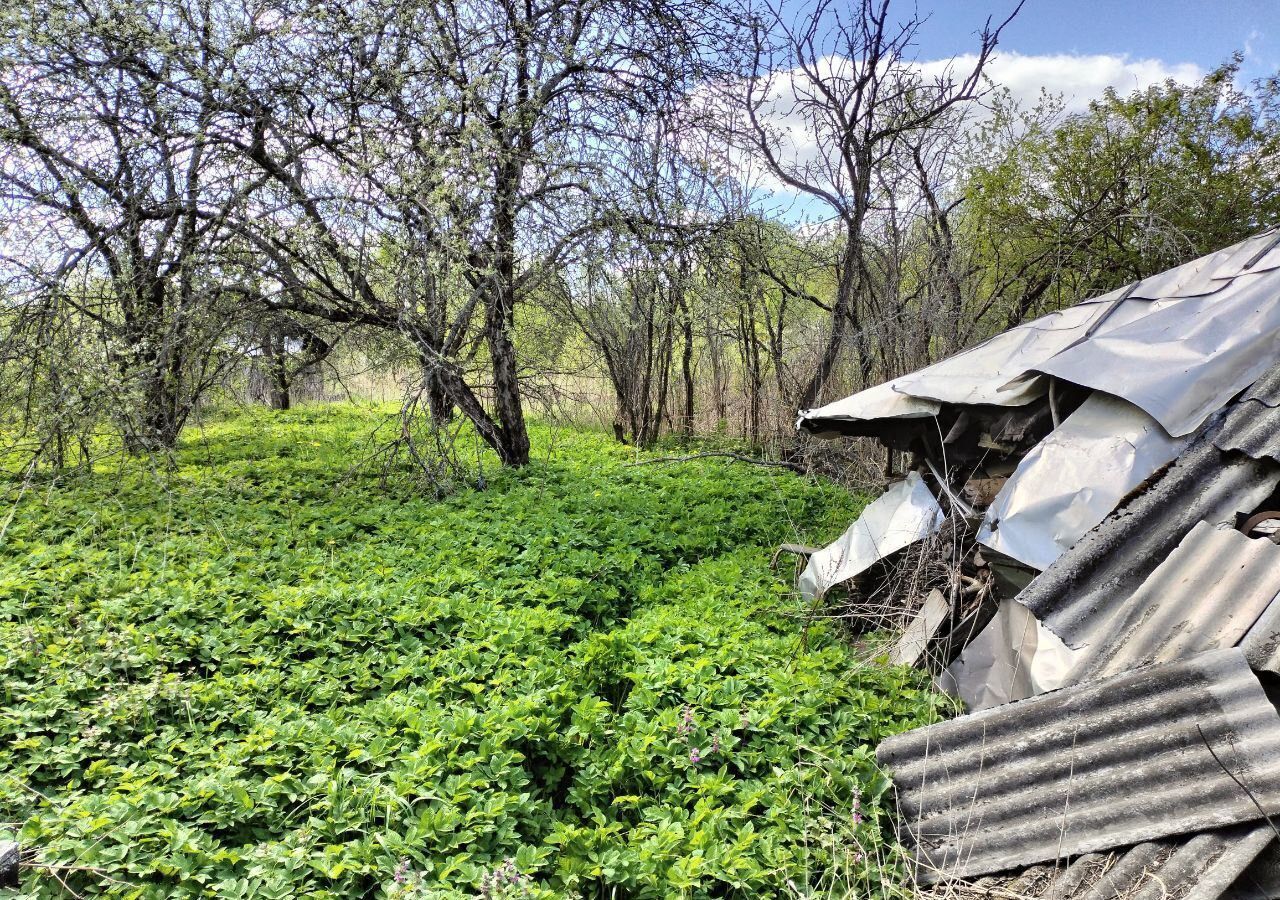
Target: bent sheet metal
column 1070, row 481
column 1178, row 345
column 1109, row 763
column 902, row 515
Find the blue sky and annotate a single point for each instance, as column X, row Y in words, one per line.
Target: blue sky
column 1203, row 32
column 1072, row 48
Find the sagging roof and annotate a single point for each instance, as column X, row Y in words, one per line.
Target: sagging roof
column 1074, row 595
column 1108, row 763
column 1177, row 345
column 1119, row 384
column 1125, row 448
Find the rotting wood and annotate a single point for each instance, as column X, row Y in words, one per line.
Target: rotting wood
column 924, row 629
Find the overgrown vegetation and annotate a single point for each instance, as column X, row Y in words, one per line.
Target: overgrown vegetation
column 269, row 673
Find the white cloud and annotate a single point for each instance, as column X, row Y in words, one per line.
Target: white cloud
column 1078, row 78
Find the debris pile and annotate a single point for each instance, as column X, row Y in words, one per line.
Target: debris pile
column 1116, row 468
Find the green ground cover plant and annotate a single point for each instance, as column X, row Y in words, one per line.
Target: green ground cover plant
column 269, row 672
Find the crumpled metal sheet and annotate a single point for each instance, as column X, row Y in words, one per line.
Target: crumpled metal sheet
column 902, row 515
column 979, row 375
column 1206, row 274
column 1180, row 363
column 1013, row 658
column 985, row 373
column 1206, row 595
column 1178, row 345
column 879, row 402
column 1075, row 596
column 1205, row 866
column 1107, row 764
column 1072, row 479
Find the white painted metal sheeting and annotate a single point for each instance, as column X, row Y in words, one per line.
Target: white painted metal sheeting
column 902, row 515
column 1178, row 345
column 1072, row 479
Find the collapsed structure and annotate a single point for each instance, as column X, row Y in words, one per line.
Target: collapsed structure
column 1112, row 625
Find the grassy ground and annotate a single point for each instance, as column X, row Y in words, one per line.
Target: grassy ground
column 268, row 673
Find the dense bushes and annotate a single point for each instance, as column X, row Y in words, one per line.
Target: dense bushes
column 266, row 674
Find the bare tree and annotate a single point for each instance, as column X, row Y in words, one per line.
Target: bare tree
column 850, row 80
column 474, row 138
column 633, row 298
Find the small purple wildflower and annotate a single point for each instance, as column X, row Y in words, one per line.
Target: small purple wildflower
column 715, row 745
column 402, row 871
column 497, row 882
column 857, row 810
column 695, row 756
column 686, row 721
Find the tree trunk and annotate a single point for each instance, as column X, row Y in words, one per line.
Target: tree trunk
column 157, row 420
column 513, row 435
column 686, row 356
column 844, row 319
column 277, row 370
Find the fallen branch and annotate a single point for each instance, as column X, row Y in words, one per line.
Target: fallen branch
column 780, row 464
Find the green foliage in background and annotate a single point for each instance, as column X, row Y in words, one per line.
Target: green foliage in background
column 270, row 673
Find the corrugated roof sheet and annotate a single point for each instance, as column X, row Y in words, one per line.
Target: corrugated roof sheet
column 1206, row 595
column 1261, row 881
column 1084, row 587
column 1255, row 432
column 1110, row 763
column 1261, row 645
column 1203, row 867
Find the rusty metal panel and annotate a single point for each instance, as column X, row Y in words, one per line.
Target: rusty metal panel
column 1206, row 595
column 1107, row 764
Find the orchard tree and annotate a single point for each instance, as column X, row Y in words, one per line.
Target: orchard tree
column 117, row 199
column 478, row 139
